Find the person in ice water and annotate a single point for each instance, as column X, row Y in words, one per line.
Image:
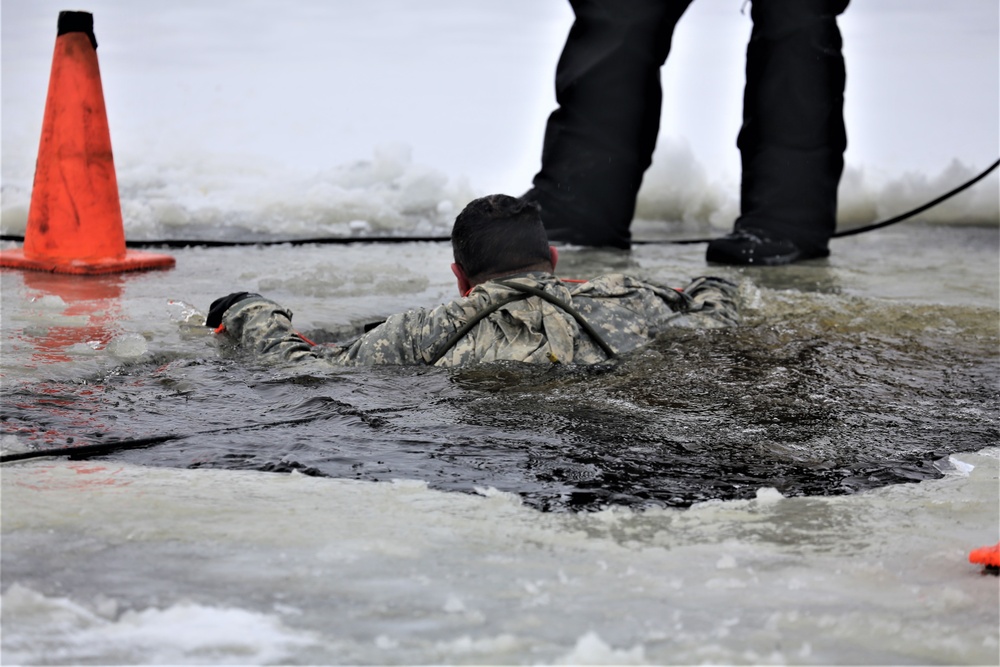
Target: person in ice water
column 600, row 140
column 512, row 307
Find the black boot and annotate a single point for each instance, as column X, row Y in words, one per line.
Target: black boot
column 759, row 248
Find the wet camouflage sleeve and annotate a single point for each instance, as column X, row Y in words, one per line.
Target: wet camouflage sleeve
column 714, row 303
column 264, row 328
column 626, row 313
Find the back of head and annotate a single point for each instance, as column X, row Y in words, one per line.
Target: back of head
column 500, row 234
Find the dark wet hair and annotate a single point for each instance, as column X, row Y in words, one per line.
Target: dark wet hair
column 499, row 234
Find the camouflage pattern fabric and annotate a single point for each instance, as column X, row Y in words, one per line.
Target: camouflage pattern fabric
column 626, row 311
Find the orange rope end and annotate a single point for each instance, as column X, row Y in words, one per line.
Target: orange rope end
column 305, row 339
column 988, row 556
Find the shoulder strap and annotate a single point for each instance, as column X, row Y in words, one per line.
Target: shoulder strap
column 525, row 292
column 556, row 301
column 473, row 321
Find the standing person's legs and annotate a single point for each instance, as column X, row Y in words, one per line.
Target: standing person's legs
column 793, row 138
column 600, row 140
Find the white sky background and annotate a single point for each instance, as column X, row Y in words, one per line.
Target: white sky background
column 307, row 85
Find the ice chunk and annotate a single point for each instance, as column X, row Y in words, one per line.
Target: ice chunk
column 127, row 346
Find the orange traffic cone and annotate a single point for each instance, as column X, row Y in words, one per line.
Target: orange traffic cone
column 75, row 217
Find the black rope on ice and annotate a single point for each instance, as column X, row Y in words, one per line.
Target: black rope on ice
column 321, row 240
column 883, row 223
column 102, row 448
column 349, row 240
column 919, row 209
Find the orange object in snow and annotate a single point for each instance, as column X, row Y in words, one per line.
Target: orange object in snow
column 988, row 556
column 75, row 217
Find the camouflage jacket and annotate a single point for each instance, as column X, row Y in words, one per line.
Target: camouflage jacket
column 625, row 312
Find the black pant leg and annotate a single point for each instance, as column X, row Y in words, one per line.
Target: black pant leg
column 793, row 137
column 600, row 140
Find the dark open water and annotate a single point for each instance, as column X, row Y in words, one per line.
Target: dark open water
column 819, row 393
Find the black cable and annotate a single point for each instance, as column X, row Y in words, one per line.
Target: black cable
column 919, row 209
column 101, row 448
column 91, row 450
column 874, row 225
column 349, row 240
column 321, row 240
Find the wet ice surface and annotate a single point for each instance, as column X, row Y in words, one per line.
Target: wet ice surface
column 398, row 521
column 301, row 570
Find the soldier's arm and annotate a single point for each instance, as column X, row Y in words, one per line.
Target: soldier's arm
column 711, row 302
column 264, row 328
column 397, row 341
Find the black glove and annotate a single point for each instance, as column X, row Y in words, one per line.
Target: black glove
column 220, row 306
